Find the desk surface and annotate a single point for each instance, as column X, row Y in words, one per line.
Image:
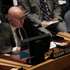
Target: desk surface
column 2, row 67
column 61, row 63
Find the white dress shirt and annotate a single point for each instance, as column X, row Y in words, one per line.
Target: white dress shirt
column 16, row 48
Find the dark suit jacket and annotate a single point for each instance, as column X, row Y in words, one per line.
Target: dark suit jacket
column 37, row 42
column 31, row 31
column 27, row 31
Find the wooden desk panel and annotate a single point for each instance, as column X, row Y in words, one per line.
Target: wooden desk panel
column 62, row 63
column 5, row 67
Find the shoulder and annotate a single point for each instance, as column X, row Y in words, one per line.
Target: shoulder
column 28, row 22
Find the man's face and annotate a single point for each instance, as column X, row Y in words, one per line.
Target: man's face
column 17, row 20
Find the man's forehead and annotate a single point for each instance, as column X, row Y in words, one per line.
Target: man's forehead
column 15, row 11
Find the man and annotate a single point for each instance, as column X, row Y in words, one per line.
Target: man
column 22, row 30
column 35, row 12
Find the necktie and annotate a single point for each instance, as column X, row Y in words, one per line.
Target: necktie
column 46, row 13
column 18, row 37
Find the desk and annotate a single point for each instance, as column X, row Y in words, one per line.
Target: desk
column 61, row 63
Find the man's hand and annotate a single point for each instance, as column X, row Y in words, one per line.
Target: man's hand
column 16, row 49
column 44, row 23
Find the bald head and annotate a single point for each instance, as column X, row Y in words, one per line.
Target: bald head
column 15, row 15
column 16, row 11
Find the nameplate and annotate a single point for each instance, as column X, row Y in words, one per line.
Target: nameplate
column 61, row 52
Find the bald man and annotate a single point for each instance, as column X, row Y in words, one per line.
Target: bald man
column 23, row 30
column 16, row 18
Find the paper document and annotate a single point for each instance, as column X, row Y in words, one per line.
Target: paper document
column 61, row 2
column 52, row 22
